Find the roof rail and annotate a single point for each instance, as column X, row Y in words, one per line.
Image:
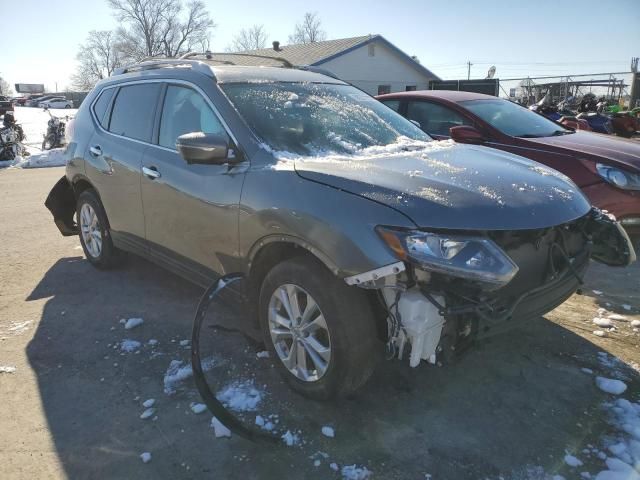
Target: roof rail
column 195, row 65
column 323, row 71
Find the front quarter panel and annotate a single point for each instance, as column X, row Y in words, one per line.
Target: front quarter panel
column 336, row 226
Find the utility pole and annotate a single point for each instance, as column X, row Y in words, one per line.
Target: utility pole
column 469, row 70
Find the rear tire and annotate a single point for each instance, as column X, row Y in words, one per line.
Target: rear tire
column 341, row 327
column 94, row 232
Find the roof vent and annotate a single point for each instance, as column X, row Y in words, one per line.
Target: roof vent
column 276, row 46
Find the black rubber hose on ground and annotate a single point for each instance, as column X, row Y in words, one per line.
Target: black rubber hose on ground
column 213, row 404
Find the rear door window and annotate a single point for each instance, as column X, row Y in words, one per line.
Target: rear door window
column 133, row 111
column 392, row 104
column 435, row 119
column 186, row 111
column 100, row 107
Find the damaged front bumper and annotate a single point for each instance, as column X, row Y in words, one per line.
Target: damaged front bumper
column 61, row 202
column 435, row 315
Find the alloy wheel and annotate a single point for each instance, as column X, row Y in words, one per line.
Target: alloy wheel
column 299, row 332
column 90, row 229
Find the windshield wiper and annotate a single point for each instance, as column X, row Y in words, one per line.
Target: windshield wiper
column 561, row 132
column 528, row 135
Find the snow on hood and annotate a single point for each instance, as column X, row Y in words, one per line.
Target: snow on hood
column 448, row 185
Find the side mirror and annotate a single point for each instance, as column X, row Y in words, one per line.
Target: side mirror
column 205, row 148
column 466, row 134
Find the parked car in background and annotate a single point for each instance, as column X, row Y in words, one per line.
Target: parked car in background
column 5, row 105
column 344, row 217
column 56, row 103
column 606, row 168
column 36, row 101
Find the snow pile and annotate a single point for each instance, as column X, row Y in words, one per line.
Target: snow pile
column 240, row 396
column 145, row 457
column 133, row 323
column 610, row 385
column 625, row 446
column 635, row 323
column 179, row 371
column 128, row 345
column 572, row 461
column 328, row 431
column 147, row 413
column 353, row 472
column 198, row 408
column 290, row 439
column 603, row 322
column 219, row 429
column 149, row 403
column 7, row 369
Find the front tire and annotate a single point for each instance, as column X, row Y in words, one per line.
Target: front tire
column 320, row 331
column 94, row 232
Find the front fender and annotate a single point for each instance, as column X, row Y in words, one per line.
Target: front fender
column 336, row 226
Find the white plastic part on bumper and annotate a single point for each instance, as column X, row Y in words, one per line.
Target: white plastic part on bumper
column 373, row 275
column 421, row 325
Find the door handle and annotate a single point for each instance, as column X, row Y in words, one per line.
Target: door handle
column 95, row 150
column 151, row 172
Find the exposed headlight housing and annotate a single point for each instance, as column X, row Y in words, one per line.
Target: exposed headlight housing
column 619, row 178
column 472, row 258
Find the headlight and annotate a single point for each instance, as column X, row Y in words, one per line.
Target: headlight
column 618, row 177
column 473, row 258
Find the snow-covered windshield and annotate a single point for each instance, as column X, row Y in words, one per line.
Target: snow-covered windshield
column 318, row 119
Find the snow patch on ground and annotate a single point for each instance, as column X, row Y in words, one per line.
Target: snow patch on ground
column 128, row 345
column 149, row 403
column 147, row 413
column 625, row 444
column 219, row 429
column 198, row 408
column 145, row 457
column 240, row 396
column 179, row 371
column 572, row 461
column 133, row 323
column 328, row 431
column 7, row 369
column 353, row 472
column 610, row 385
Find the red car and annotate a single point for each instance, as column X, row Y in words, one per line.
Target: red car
column 606, row 168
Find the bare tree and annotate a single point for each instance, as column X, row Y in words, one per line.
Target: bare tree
column 309, row 30
column 251, row 38
column 5, row 88
column 97, row 58
column 158, row 27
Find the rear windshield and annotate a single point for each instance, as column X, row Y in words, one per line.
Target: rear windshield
column 318, row 119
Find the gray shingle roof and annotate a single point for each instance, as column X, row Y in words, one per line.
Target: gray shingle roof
column 300, row 54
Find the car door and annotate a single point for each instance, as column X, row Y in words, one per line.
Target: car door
column 124, row 120
column 190, row 210
column 434, row 118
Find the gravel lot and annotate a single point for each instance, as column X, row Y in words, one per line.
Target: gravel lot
column 512, row 407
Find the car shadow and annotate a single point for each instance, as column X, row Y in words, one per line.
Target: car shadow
column 513, row 402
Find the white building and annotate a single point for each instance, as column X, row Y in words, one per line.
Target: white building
column 370, row 62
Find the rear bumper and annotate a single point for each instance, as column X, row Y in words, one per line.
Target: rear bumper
column 61, row 202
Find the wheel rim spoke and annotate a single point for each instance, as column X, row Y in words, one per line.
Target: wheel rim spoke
column 299, row 332
column 90, row 230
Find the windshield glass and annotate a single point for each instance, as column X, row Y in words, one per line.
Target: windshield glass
column 512, row 119
column 318, row 119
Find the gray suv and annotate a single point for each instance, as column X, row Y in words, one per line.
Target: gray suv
column 358, row 234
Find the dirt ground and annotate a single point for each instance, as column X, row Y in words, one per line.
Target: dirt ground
column 509, row 408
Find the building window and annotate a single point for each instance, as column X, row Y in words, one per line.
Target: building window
column 382, row 89
column 410, row 88
column 372, row 50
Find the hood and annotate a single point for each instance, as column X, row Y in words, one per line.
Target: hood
column 613, row 150
column 453, row 186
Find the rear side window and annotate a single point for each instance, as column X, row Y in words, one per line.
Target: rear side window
column 100, row 107
column 132, row 114
column 392, row 104
column 435, row 119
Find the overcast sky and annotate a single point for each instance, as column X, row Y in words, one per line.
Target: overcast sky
column 521, row 38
